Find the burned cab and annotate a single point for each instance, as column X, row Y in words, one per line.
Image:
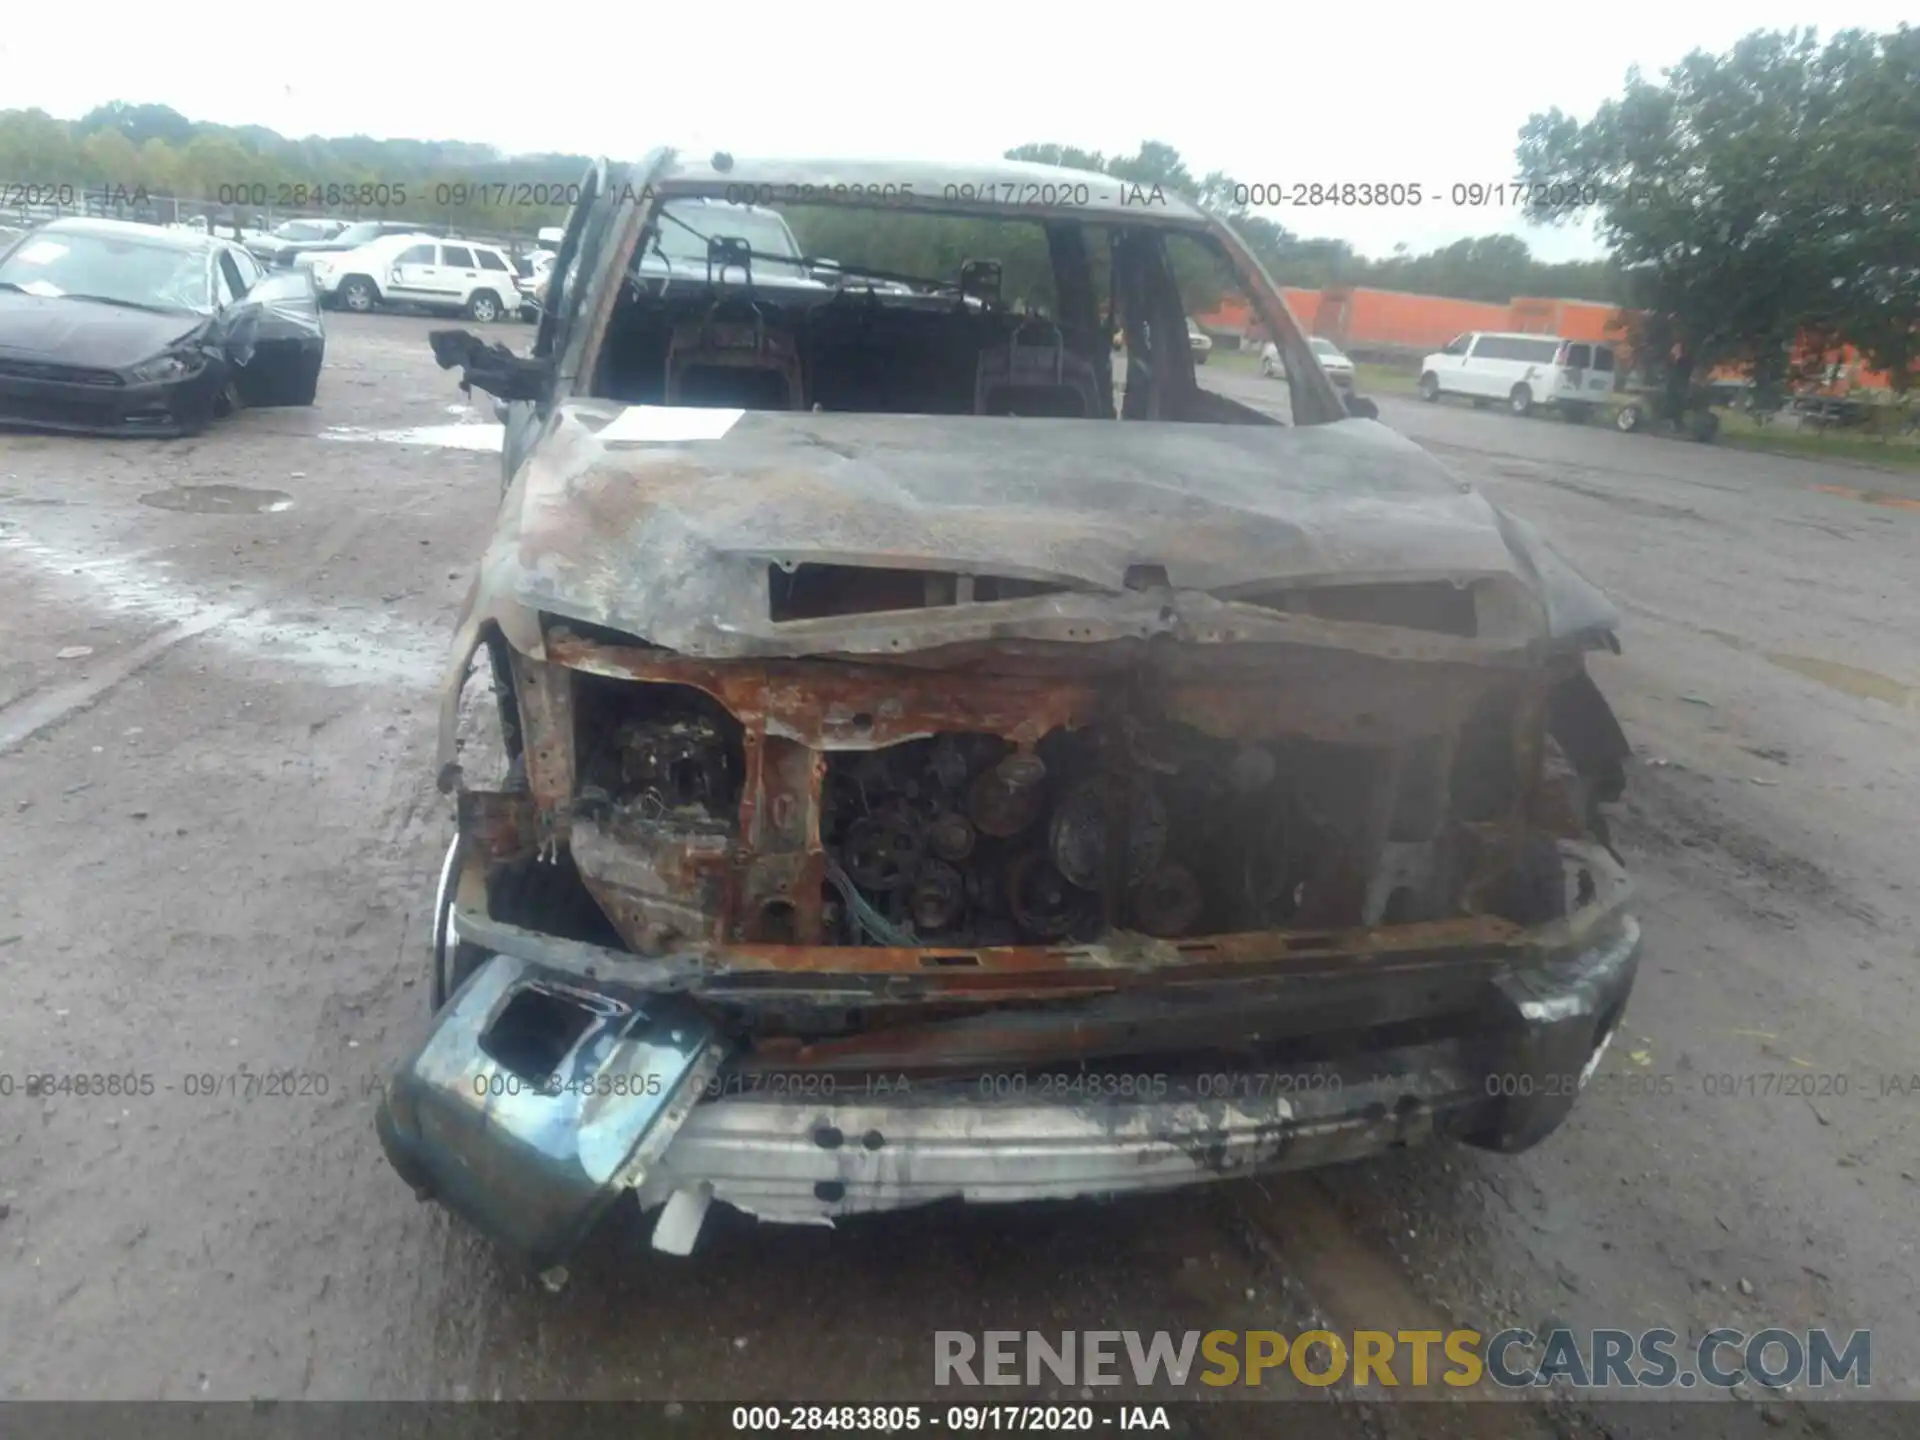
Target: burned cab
column 938, row 753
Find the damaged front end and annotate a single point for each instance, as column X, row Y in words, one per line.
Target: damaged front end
column 995, row 888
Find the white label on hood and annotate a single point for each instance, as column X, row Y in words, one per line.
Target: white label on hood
column 44, row 288
column 40, row 252
column 670, row 422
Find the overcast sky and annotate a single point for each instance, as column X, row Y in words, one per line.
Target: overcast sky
column 1432, row 94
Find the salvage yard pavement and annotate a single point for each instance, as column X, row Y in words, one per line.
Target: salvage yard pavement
column 222, row 835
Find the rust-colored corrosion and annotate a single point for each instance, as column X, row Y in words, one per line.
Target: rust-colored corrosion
column 847, row 706
column 1103, row 966
column 760, row 894
column 1327, row 695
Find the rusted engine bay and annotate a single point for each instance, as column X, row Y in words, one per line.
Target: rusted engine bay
column 1009, row 801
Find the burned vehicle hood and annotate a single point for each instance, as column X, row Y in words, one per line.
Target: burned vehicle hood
column 87, row 332
column 681, row 526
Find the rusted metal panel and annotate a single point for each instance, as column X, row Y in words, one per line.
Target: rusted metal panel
column 503, row 826
column 545, row 694
column 764, row 888
column 1357, row 699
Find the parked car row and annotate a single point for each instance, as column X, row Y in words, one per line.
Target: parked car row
column 286, row 249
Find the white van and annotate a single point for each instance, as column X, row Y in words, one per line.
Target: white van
column 1521, row 370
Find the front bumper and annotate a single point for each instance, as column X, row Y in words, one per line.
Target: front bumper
column 647, row 1096
column 169, row 408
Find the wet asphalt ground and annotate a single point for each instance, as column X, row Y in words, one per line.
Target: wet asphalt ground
column 220, row 834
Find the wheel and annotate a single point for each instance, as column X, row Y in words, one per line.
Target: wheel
column 484, row 307
column 1703, row 425
column 1268, row 369
column 1201, row 358
column 1430, row 387
column 1629, row 419
column 359, row 294
column 1520, row 401
column 453, row 959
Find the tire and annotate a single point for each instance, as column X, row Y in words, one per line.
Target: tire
column 1201, row 358
column 1703, row 426
column 1629, row 419
column 484, row 307
column 1430, row 387
column 1266, row 369
column 1520, row 400
column 359, row 294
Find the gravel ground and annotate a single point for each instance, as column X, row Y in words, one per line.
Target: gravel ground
column 223, row 832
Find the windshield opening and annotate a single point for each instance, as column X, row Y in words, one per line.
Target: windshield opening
column 127, row 271
column 687, row 225
column 896, row 311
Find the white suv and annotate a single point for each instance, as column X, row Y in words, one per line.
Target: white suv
column 420, row 270
column 1521, row 370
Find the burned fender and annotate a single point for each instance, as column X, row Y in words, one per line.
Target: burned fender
column 1589, row 734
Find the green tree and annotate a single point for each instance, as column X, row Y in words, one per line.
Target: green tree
column 1756, row 197
column 108, row 158
column 35, row 148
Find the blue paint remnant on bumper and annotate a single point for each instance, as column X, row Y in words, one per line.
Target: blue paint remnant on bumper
column 538, row 1097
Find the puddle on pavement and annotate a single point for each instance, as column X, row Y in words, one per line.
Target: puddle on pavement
column 218, row 499
column 1848, row 679
column 1871, row 497
column 450, row 437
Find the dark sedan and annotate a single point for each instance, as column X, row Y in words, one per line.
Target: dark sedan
column 114, row 328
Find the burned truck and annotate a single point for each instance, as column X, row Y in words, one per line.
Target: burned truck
column 939, row 755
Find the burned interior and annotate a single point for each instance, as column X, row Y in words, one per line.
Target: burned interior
column 1033, row 337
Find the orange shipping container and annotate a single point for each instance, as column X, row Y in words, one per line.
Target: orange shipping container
column 1569, row 319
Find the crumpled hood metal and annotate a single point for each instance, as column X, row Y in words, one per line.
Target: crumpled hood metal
column 670, row 541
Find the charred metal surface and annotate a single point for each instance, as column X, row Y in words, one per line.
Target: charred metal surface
column 503, row 826
column 545, row 697
column 888, row 806
column 673, row 544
